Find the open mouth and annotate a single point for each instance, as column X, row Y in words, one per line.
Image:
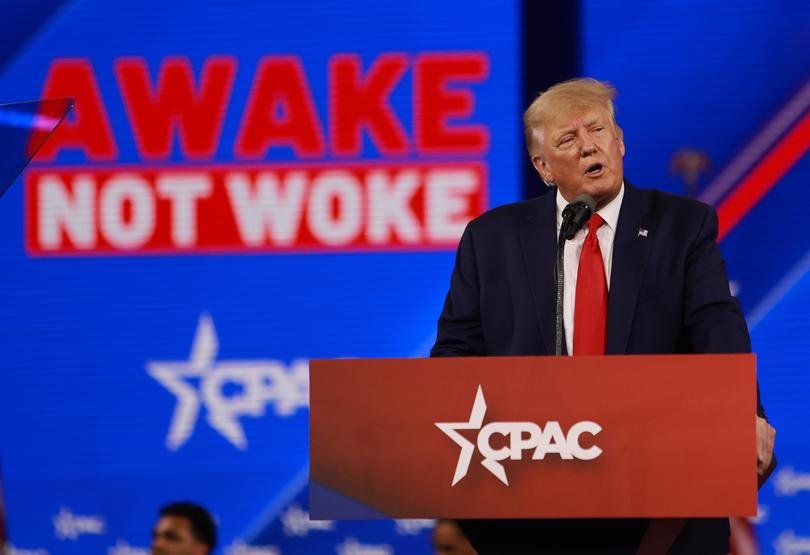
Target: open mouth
column 594, row 170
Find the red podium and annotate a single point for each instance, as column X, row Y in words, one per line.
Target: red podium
column 533, row 437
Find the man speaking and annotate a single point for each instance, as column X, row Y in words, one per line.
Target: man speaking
column 644, row 275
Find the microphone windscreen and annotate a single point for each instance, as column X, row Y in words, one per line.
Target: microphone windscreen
column 586, row 199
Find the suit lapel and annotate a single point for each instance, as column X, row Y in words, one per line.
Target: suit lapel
column 631, row 249
column 539, row 244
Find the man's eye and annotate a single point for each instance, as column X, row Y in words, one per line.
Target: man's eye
column 600, row 128
column 566, row 141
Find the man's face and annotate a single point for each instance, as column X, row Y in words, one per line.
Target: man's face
column 581, row 151
column 172, row 536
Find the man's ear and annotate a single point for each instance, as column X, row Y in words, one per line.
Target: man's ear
column 620, row 138
column 542, row 168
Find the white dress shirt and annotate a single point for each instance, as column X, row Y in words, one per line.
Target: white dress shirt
column 605, row 234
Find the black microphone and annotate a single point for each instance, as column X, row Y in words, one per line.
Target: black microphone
column 576, row 214
column 574, row 217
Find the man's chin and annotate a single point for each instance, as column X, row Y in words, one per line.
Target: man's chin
column 602, row 190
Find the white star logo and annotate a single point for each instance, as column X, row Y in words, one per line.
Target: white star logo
column 467, row 447
column 523, row 436
column 260, row 382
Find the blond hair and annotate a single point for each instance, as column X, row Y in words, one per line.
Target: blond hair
column 573, row 94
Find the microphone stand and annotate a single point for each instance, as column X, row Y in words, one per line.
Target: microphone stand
column 573, row 218
column 560, row 274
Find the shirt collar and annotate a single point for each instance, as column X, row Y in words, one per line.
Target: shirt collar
column 609, row 212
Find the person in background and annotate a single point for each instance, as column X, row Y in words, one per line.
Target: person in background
column 184, row 528
column 448, row 539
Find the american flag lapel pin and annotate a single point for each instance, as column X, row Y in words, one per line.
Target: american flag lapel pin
column 641, row 232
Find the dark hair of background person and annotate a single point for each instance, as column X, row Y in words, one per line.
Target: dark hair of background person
column 202, row 525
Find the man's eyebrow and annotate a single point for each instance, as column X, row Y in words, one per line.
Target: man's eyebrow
column 561, row 133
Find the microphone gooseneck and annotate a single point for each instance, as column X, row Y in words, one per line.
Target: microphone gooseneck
column 574, row 217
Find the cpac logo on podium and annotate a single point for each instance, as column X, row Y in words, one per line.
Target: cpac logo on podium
column 523, row 436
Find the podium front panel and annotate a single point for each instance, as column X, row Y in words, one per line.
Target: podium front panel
column 533, row 437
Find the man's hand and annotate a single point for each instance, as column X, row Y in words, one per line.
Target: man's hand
column 765, row 438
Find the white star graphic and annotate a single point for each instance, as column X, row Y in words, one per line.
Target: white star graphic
column 467, row 447
column 173, row 376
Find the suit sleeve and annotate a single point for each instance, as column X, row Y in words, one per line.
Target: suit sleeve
column 712, row 317
column 459, row 329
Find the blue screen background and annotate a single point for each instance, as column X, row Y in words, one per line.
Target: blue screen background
column 84, row 424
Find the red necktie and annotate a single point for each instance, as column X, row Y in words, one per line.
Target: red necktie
column 590, row 308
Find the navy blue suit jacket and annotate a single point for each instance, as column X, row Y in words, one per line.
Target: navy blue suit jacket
column 668, row 290
column 669, row 293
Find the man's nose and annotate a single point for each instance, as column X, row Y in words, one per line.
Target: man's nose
column 587, row 147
